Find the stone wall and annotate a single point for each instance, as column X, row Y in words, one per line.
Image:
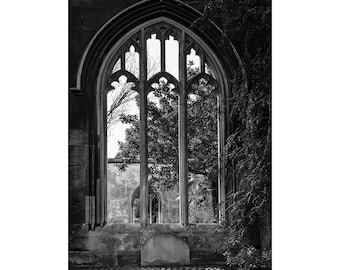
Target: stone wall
column 86, row 17
column 78, row 158
column 121, row 244
column 122, row 184
column 113, row 244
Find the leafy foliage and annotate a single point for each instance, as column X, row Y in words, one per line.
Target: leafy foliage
column 246, row 241
column 248, row 25
column 238, row 254
column 162, row 123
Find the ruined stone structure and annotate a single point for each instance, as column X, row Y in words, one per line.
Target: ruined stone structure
column 123, row 190
column 107, row 225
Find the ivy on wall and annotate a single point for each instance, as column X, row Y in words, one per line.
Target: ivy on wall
column 247, row 24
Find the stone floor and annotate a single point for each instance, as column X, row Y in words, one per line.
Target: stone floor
column 98, row 267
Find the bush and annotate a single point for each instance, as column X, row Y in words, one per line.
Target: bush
column 248, row 257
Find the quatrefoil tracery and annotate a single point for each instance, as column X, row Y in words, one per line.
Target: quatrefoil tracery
column 163, row 83
column 123, row 77
column 203, row 82
column 162, row 79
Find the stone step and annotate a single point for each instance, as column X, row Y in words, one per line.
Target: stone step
column 193, row 267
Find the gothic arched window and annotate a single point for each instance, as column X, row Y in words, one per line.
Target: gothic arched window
column 161, row 95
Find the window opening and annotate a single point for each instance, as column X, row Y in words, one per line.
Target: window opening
column 202, row 153
column 154, row 209
column 193, row 64
column 209, row 71
column 172, row 56
column 122, row 121
column 136, row 208
column 116, row 66
column 132, row 61
column 153, row 55
column 158, row 132
column 163, row 146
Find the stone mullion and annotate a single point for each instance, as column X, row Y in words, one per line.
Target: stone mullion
column 162, row 53
column 143, row 135
column 159, row 210
column 98, row 158
column 221, row 156
column 92, row 194
column 202, row 62
column 150, row 209
column 104, row 180
column 101, row 181
column 182, row 136
column 122, row 61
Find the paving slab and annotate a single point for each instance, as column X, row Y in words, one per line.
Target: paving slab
column 100, row 267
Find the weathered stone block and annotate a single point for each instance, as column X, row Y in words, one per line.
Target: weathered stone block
column 78, row 137
column 154, row 229
column 77, row 205
column 82, row 257
column 77, row 176
column 165, row 249
column 78, row 154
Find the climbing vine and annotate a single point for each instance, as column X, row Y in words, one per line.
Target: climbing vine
column 247, row 232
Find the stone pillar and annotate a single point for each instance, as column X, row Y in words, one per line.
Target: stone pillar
column 182, row 137
column 162, row 54
column 143, row 137
column 221, row 157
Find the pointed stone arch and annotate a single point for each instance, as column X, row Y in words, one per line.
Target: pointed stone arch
column 98, row 57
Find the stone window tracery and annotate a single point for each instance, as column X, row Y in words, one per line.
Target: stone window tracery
column 160, row 54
